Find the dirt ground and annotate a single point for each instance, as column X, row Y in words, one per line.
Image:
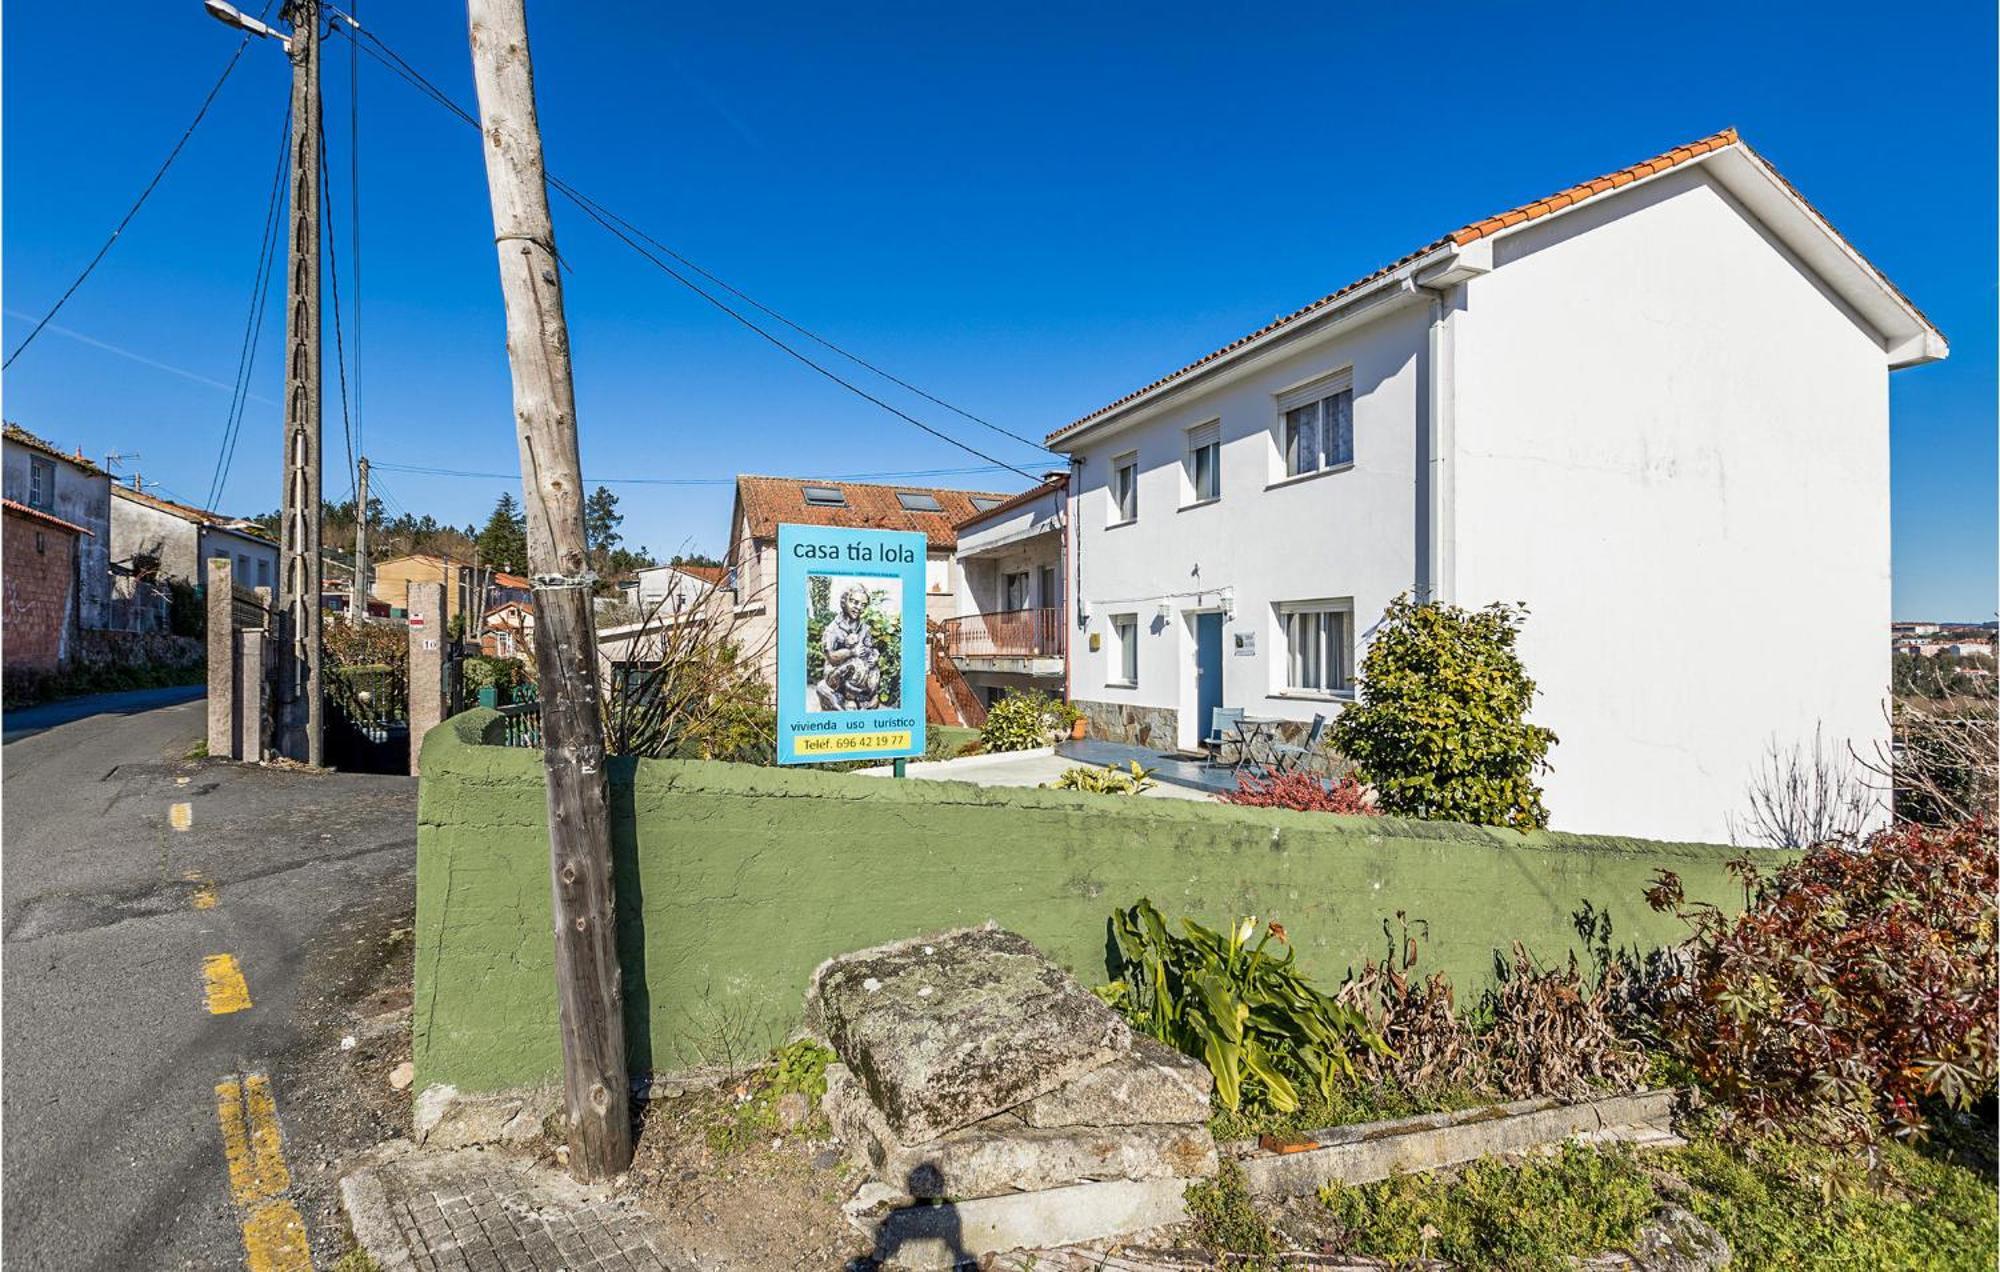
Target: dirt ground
column 729, row 1198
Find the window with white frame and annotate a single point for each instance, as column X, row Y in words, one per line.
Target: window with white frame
column 1204, row 462
column 1317, row 430
column 1125, row 636
column 1319, row 646
column 1124, row 489
column 41, row 483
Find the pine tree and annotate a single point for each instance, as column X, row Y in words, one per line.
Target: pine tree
column 601, row 520
column 503, row 544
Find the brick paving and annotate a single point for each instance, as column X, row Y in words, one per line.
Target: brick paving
column 482, row 1211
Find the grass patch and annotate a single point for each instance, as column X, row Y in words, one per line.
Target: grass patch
column 1785, row 1204
column 1225, row 1219
column 1780, row 1203
column 1541, row 1214
column 796, row 1068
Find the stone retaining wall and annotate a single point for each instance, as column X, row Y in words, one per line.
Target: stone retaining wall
column 735, row 882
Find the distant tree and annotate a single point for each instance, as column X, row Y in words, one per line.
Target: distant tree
column 504, row 541
column 601, row 520
column 695, row 558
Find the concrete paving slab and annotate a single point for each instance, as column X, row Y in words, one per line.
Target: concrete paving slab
column 1039, row 767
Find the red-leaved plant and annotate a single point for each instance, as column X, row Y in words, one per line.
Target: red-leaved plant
column 1302, row 791
column 1858, row 984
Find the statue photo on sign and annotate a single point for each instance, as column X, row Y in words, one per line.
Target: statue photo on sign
column 854, row 652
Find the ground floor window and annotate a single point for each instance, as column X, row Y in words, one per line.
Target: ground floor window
column 1319, row 646
column 1125, row 641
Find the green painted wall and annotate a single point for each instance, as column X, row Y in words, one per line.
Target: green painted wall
column 735, row 882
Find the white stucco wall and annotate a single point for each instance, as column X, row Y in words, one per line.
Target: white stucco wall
column 1347, row 533
column 1666, row 436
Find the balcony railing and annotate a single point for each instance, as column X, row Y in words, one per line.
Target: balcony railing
column 1027, row 633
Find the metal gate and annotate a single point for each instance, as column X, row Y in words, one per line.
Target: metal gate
column 368, row 715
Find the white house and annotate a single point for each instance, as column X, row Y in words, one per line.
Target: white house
column 154, row 538
column 73, row 490
column 1654, row 407
column 1010, row 632
column 670, row 588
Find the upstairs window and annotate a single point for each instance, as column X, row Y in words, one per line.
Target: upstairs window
column 918, row 501
column 1319, row 433
column 986, row 503
column 41, row 483
column 825, row 496
column 1204, row 462
column 1124, row 489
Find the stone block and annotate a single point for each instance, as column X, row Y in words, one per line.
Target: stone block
column 948, row 1030
column 1003, row 1154
column 1152, row 1084
column 949, row 1235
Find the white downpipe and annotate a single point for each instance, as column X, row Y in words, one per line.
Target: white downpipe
column 1439, row 566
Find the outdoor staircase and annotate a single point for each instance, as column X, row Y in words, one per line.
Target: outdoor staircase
column 948, row 699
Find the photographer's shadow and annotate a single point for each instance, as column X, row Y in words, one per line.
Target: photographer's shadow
column 921, row 1225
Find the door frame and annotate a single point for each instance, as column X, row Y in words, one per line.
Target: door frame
column 1191, row 731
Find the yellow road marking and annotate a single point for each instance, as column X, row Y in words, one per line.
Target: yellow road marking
column 274, row 1234
column 250, row 1139
column 181, row 815
column 274, row 1239
column 204, row 896
column 224, row 986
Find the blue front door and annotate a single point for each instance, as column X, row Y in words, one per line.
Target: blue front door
column 1207, row 671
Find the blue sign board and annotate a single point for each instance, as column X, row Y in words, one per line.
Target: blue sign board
column 851, row 656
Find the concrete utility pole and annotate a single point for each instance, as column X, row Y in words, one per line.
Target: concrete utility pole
column 300, row 732
column 589, row 988
column 357, row 600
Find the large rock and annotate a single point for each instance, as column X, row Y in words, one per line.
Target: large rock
column 1152, row 1084
column 1004, row 1155
column 948, row 1030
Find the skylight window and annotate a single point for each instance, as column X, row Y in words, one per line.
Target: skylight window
column 918, row 501
column 986, row 503
column 826, row 496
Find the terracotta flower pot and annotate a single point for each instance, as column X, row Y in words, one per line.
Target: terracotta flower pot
column 1080, row 730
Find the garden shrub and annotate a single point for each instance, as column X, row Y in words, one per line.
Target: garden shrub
column 1440, row 730
column 501, row 673
column 1857, row 985
column 1550, row 1031
column 1024, row 721
column 1104, row 781
column 1304, row 792
column 1263, row 1031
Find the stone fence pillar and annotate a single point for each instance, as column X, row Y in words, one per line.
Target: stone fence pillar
column 427, row 635
column 223, row 716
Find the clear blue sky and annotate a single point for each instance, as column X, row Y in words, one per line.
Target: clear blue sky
column 1028, row 214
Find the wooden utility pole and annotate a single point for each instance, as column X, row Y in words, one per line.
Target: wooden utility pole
column 589, row 992
column 300, row 734
column 357, row 598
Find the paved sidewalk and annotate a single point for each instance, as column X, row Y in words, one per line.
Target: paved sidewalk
column 474, row 1209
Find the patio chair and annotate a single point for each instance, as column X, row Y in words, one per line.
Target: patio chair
column 1291, row 757
column 1224, row 731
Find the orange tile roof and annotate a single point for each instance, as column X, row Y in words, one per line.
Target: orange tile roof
column 1460, row 237
column 1008, row 505
column 36, row 514
column 706, row 573
column 15, row 433
column 765, row 501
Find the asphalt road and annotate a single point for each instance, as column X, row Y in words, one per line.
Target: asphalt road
column 115, row 905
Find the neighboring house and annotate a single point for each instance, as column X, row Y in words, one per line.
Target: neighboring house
column 34, row 474
column 508, row 630
column 762, row 503
column 469, row 588
column 1655, row 404
column 670, row 589
column 154, row 540
column 39, row 553
column 1010, row 631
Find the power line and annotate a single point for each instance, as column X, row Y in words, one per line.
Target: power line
column 260, row 293
column 137, row 203
column 339, row 341
column 377, row 465
column 388, row 57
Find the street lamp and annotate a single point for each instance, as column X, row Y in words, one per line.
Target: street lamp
column 229, row 15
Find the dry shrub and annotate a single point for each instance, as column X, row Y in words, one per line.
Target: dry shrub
column 1552, row 1032
column 1303, row 792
